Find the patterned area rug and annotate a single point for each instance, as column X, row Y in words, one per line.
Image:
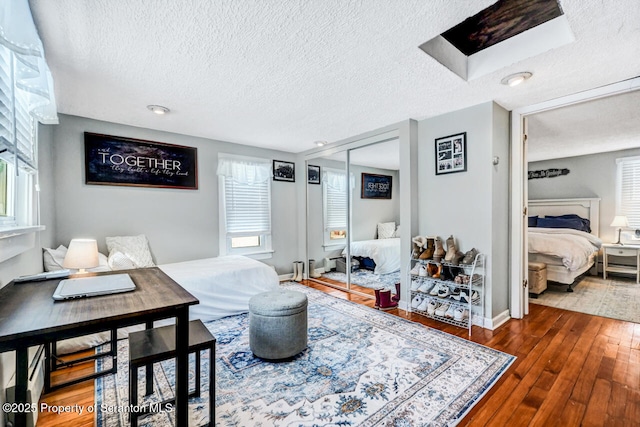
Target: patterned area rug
column 367, row 279
column 362, row 368
column 616, row 299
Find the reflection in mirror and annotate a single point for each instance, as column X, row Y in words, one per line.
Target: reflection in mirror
column 375, row 219
column 327, row 217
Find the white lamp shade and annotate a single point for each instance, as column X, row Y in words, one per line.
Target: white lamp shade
column 620, row 221
column 82, row 253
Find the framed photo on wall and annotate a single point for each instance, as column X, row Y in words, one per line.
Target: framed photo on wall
column 451, row 154
column 284, row 171
column 375, row 186
column 313, row 174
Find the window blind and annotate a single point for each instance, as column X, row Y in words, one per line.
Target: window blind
column 247, row 194
column 628, row 197
column 335, row 187
column 247, row 207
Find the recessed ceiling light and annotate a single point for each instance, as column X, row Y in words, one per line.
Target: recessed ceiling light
column 516, row 79
column 158, row 109
column 321, row 143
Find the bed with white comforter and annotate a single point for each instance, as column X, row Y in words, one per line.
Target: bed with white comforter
column 223, row 285
column 567, row 252
column 384, row 252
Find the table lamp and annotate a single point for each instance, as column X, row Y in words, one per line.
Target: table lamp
column 82, row 254
column 619, row 221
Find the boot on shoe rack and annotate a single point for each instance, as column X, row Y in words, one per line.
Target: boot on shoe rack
column 418, row 243
column 451, row 249
column 385, row 300
column 456, row 259
column 438, row 253
column 470, row 256
column 294, row 275
column 429, row 248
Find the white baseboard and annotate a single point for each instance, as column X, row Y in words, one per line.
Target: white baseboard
column 496, row 321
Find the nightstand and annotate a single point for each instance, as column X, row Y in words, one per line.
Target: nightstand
column 627, row 251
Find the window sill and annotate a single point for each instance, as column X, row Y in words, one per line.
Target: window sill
column 6, row 232
column 16, row 240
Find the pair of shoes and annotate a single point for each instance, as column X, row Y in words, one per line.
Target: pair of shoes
column 460, row 314
column 464, row 297
column 423, row 271
column 431, row 307
column 438, row 253
column 383, row 300
column 423, row 305
column 434, row 270
column 415, row 302
column 415, row 270
column 457, row 257
column 428, row 248
column 425, row 287
column 415, row 284
column 298, row 271
column 436, row 289
column 442, row 309
column 470, row 256
column 444, row 291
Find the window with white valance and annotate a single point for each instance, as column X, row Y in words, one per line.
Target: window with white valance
column 26, row 98
column 245, row 205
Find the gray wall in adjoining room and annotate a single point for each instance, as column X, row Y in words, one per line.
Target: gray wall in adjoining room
column 589, row 176
column 179, row 224
column 466, row 204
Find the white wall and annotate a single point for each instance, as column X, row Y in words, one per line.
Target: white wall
column 180, row 224
column 473, row 205
column 590, row 176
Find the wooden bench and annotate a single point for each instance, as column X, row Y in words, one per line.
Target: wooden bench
column 158, row 344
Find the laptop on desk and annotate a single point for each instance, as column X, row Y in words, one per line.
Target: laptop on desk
column 84, row 287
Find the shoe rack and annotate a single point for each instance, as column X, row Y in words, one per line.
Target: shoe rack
column 447, row 292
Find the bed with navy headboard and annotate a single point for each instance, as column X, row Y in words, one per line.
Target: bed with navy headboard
column 563, row 233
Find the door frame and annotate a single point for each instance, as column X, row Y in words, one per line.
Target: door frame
column 518, row 258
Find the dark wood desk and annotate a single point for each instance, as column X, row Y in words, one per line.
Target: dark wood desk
column 29, row 316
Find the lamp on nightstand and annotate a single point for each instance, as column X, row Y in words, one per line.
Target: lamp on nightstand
column 82, row 254
column 619, row 221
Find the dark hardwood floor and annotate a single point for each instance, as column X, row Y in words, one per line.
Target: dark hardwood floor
column 572, row 369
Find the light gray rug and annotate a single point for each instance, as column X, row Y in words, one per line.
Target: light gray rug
column 362, row 367
column 617, row 299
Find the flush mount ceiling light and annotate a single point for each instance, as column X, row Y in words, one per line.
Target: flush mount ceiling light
column 516, row 79
column 321, row 143
column 158, row 109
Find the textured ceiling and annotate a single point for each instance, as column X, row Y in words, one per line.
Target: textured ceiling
column 282, row 74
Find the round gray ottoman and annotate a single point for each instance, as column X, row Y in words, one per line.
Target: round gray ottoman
column 278, row 324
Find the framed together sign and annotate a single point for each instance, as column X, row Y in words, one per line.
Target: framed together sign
column 376, row 186
column 113, row 160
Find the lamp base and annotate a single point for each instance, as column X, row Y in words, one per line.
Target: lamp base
column 619, row 242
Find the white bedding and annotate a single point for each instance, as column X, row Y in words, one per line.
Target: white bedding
column 384, row 252
column 223, row 285
column 574, row 248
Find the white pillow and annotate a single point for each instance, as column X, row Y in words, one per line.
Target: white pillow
column 120, row 261
column 386, row 230
column 53, row 259
column 136, row 248
column 397, row 232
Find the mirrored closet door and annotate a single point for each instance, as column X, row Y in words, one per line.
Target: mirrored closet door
column 353, row 218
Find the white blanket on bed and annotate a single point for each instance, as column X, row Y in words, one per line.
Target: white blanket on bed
column 573, row 247
column 384, row 252
column 223, row 285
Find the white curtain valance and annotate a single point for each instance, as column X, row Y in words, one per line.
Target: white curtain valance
column 19, row 35
column 337, row 180
column 245, row 171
